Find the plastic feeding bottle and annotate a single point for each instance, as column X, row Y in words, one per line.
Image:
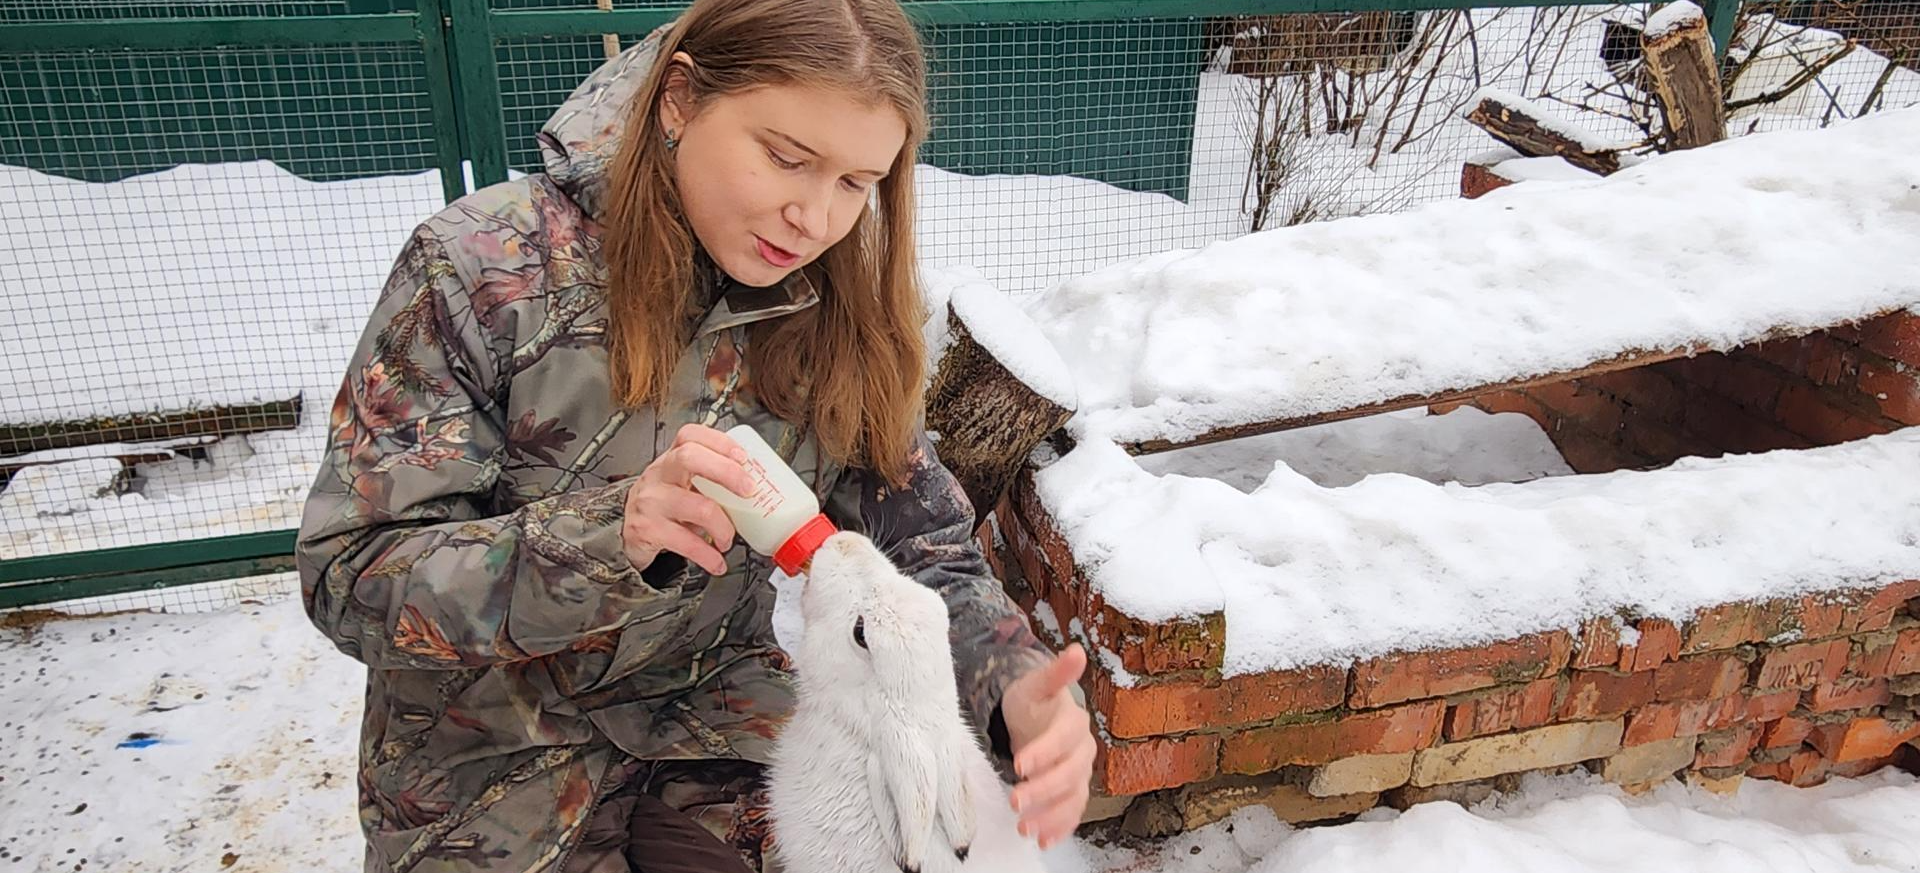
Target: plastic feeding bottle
column 782, row 518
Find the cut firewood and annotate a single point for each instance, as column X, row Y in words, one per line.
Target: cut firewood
column 1685, row 76
column 1528, row 129
column 987, row 418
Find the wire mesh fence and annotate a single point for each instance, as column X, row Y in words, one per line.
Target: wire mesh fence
column 194, row 240
column 197, row 234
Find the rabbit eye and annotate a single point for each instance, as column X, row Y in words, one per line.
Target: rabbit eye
column 860, row 632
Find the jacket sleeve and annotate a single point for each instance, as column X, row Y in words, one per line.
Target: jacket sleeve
column 927, row 528
column 401, row 563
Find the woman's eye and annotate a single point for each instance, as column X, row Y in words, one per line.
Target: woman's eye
column 854, row 185
column 783, row 163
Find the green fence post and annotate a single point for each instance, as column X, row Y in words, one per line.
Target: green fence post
column 1721, row 15
column 432, row 23
column 483, row 124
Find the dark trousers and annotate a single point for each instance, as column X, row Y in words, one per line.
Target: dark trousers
column 679, row 817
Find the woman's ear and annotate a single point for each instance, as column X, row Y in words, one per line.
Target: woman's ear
column 676, row 96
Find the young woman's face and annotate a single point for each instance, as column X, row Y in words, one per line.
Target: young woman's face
column 772, row 177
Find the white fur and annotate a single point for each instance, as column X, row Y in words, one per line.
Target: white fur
column 878, row 771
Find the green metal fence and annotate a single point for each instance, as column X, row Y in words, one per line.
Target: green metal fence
column 202, row 198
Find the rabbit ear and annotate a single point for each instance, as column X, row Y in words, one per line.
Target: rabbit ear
column 905, row 785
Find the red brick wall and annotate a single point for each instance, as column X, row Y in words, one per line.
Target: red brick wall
column 1793, row 689
column 1828, row 387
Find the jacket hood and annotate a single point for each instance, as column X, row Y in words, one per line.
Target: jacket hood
column 578, row 143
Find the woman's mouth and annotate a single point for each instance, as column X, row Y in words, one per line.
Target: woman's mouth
column 776, row 255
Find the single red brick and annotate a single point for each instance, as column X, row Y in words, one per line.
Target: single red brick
column 1686, row 718
column 1896, row 393
column 1726, row 748
column 1477, row 180
column 1416, row 675
column 1788, row 731
column 1503, row 709
column 1587, row 452
column 1598, row 644
column 1753, row 385
column 1148, row 765
column 1658, row 642
column 1197, row 643
column 1807, row 411
column 1906, row 653
column 1722, row 627
column 1647, row 391
column 1895, row 336
column 1803, row 666
column 1704, row 678
column 1830, row 362
column 1496, row 402
column 1845, row 693
column 1771, row 707
column 1872, row 658
column 1596, row 694
column 1380, row 732
column 1828, row 613
column 1880, row 607
column 1803, row 769
column 1857, row 769
column 1177, row 707
column 1863, row 738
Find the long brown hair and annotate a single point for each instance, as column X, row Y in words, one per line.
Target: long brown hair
column 851, row 367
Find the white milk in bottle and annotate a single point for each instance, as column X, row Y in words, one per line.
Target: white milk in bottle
column 781, row 519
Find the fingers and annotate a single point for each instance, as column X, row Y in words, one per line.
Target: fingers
column 674, row 537
column 1051, row 803
column 1058, row 822
column 1064, row 671
column 686, row 460
column 691, row 508
column 1067, row 726
column 1053, row 784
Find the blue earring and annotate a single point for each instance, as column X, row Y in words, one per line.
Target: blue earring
column 672, row 142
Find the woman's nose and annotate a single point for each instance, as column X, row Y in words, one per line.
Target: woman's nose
column 808, row 213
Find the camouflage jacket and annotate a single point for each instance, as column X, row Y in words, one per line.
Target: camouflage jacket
column 463, row 537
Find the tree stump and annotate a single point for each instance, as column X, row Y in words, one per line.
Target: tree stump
column 1685, row 76
column 988, row 419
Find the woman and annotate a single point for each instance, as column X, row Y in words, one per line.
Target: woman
column 571, row 661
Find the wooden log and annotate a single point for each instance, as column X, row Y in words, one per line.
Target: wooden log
column 20, row 439
column 1686, row 77
column 988, row 420
column 1524, row 128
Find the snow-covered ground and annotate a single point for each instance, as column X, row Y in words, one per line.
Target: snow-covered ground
column 146, row 743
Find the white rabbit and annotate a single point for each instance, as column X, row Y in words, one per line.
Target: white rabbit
column 878, row 772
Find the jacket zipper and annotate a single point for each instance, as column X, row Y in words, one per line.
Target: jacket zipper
column 599, row 791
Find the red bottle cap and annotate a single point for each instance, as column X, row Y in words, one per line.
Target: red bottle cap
column 799, row 548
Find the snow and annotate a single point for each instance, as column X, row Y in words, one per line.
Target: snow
column 1672, row 17
column 1543, row 170
column 1007, row 333
column 150, row 743
column 143, row 742
column 1568, row 824
column 60, row 488
column 1467, row 445
column 1709, row 248
column 1308, row 574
